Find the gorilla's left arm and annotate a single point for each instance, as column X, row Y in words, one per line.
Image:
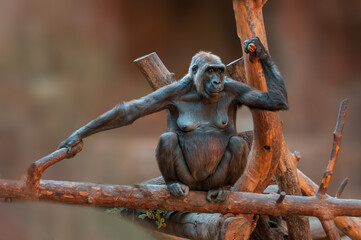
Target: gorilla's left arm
column 276, row 97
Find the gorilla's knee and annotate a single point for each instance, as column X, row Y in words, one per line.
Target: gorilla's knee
column 238, row 144
column 168, row 138
column 167, row 143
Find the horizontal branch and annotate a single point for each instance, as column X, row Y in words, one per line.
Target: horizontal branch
column 158, row 197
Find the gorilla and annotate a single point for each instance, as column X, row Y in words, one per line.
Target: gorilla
column 201, row 149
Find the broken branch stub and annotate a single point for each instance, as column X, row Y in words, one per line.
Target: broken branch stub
column 154, row 71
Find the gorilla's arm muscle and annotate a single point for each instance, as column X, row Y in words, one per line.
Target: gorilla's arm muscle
column 273, row 100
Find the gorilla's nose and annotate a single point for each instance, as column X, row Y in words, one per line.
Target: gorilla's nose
column 216, row 83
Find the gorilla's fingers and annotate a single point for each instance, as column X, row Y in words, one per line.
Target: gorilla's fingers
column 222, row 195
column 210, row 194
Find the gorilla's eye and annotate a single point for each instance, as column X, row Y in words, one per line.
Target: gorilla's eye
column 210, row 70
column 220, row 70
column 194, row 69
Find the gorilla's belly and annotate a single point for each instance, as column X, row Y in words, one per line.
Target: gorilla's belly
column 203, row 151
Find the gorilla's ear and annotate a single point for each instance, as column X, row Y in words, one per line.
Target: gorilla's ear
column 194, row 69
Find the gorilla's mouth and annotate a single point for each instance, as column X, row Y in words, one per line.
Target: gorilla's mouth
column 211, row 92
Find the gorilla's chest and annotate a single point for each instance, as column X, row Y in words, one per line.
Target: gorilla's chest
column 199, row 114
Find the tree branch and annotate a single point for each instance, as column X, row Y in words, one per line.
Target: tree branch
column 337, row 137
column 158, row 198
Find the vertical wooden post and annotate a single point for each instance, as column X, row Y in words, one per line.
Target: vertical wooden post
column 265, row 152
column 269, row 151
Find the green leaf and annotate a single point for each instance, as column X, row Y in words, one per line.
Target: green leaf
column 156, row 215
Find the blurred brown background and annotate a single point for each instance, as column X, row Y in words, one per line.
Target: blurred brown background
column 62, row 63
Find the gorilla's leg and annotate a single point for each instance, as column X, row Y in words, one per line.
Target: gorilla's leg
column 229, row 169
column 172, row 165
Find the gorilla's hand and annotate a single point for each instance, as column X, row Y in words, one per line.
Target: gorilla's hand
column 218, row 195
column 178, row 189
column 255, row 48
column 70, row 142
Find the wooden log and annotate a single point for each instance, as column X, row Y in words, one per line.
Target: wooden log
column 206, row 226
column 154, row 71
column 194, row 226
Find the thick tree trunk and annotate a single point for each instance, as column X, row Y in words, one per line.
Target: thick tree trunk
column 269, row 149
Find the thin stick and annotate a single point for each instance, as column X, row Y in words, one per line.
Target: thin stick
column 337, row 137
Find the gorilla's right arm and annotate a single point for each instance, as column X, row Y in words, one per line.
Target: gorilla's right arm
column 127, row 112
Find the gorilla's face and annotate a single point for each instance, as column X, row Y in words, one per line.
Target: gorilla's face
column 213, row 79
